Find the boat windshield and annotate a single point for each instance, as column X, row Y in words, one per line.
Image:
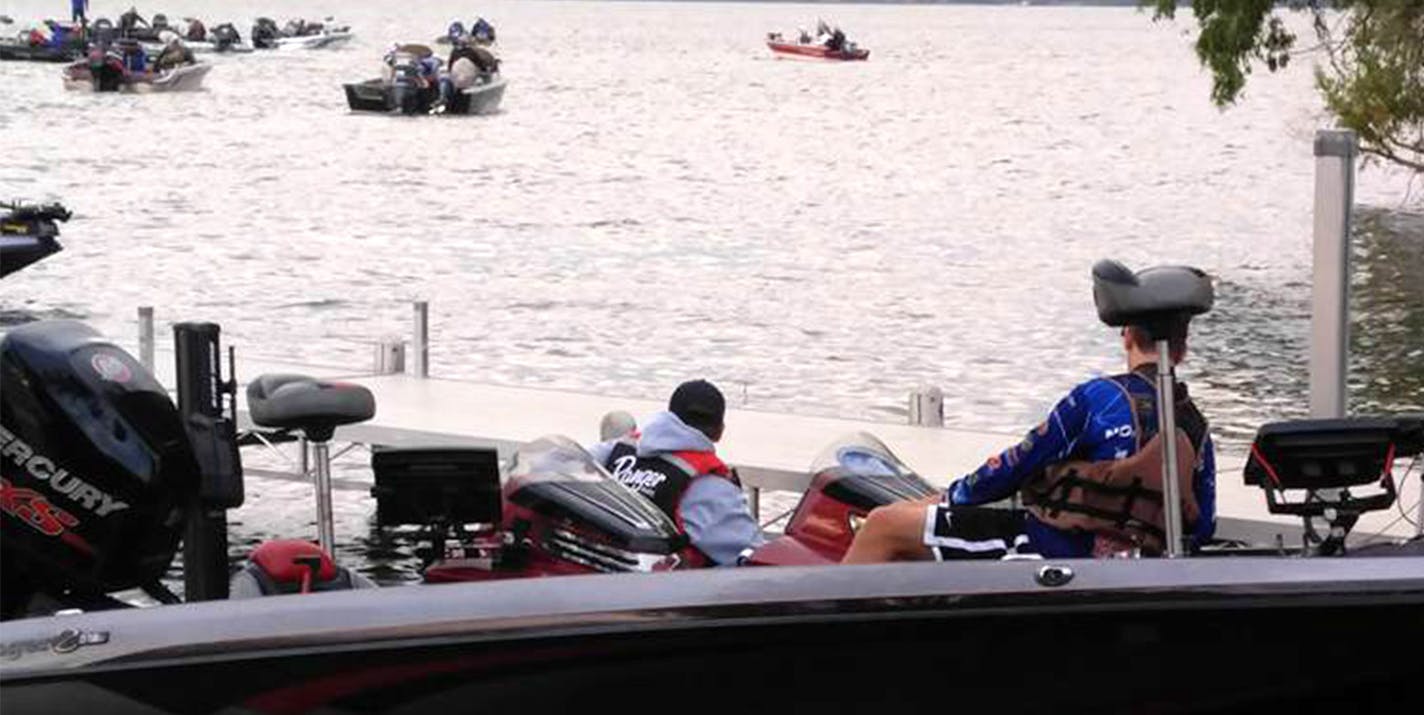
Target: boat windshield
column 860, row 453
column 556, row 458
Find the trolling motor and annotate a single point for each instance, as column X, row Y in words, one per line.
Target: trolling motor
column 208, row 406
column 1158, row 300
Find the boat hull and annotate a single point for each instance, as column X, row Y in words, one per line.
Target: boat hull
column 187, row 78
column 17, row 252
column 325, row 40
column 376, row 96
column 816, row 52
column 28, row 53
column 842, row 639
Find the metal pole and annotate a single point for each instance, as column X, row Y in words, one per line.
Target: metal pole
column 145, row 336
column 1167, row 430
column 390, row 357
column 1329, row 305
column 325, row 526
column 421, row 348
column 305, row 462
column 754, row 501
column 927, row 407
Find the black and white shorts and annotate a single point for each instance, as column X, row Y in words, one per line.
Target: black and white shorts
column 967, row 532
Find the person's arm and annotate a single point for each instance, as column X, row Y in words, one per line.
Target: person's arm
column 715, row 514
column 1003, row 474
column 1204, row 489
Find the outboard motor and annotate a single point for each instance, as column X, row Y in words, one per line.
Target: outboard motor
column 27, row 234
column 96, row 467
column 851, row 476
column 106, row 69
column 409, row 92
column 558, row 512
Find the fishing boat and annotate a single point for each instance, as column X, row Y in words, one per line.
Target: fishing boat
column 105, row 476
column 80, row 76
column 829, row 43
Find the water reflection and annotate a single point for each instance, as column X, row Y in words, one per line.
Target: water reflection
column 1387, row 313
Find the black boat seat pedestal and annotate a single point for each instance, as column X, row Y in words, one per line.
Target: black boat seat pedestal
column 316, row 407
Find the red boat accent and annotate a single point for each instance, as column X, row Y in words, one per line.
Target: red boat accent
column 816, row 51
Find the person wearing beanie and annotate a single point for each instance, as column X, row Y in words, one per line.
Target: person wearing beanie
column 672, row 460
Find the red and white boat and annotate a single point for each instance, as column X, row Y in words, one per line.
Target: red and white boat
column 815, row 50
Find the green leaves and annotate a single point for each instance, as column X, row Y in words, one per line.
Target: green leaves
column 1371, row 69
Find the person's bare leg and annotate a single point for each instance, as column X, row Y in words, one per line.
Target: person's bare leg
column 894, row 532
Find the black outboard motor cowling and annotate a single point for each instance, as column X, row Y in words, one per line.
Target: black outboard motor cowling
column 96, row 465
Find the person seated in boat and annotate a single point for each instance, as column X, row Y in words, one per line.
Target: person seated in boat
column 673, row 462
column 465, row 66
column 197, row 31
column 1060, row 469
column 135, row 59
column 803, row 37
column 174, row 54
column 482, row 31
column 455, row 32
column 836, row 42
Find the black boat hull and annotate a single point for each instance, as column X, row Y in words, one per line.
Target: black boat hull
column 17, row 252
column 1119, row 637
column 376, row 96
column 29, row 53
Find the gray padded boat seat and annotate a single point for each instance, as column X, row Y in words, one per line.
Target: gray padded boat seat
column 313, row 406
column 1152, row 297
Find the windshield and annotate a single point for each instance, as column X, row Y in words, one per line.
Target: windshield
column 860, row 453
column 556, row 458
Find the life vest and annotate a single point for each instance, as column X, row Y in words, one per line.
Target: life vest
column 664, row 479
column 1120, row 500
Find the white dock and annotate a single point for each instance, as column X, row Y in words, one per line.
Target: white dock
column 771, row 451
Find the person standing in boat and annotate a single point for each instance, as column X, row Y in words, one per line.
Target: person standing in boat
column 673, row 462
column 78, row 11
column 129, row 22
column 1070, row 472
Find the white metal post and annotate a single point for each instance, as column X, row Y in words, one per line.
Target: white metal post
column 927, row 407
column 1329, row 306
column 420, row 361
column 390, row 357
column 145, row 336
column 325, row 520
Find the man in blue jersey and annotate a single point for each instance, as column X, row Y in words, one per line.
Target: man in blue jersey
column 1089, row 476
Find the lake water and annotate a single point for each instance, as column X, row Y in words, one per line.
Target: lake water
column 660, row 199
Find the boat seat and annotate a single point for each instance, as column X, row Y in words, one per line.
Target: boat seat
column 315, row 407
column 1156, row 298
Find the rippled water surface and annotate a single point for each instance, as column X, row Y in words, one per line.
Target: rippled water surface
column 661, row 199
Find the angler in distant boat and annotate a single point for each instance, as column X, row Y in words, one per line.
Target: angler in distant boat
column 829, row 43
column 175, row 53
column 1090, row 474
